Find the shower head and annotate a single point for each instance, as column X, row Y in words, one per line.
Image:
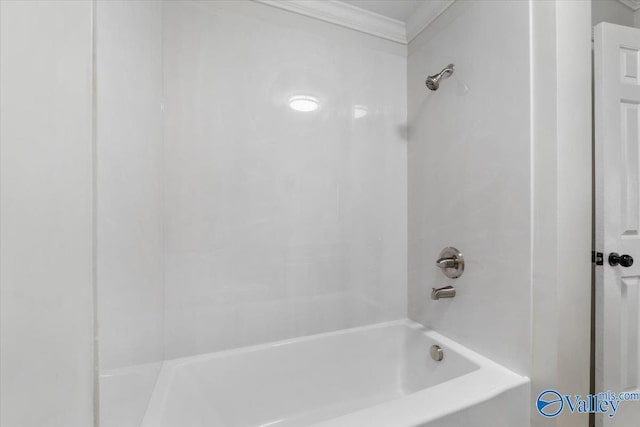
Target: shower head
column 433, row 82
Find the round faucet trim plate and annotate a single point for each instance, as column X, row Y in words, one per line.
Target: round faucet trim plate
column 451, row 262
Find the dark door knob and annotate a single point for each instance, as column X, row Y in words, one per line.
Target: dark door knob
column 623, row 260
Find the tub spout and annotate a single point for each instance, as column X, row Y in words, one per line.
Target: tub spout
column 446, row 292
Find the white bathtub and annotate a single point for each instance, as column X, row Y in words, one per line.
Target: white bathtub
column 373, row 376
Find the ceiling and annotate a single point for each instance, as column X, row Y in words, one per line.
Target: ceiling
column 396, row 9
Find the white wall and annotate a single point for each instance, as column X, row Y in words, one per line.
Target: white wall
column 46, row 304
column 574, row 100
column 129, row 210
column 129, row 182
column 561, row 135
column 469, row 177
column 279, row 223
column 615, row 12
column 611, row 11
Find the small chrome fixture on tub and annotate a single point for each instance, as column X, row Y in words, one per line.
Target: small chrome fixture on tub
column 445, row 292
column 451, row 262
column 433, row 82
column 436, row 353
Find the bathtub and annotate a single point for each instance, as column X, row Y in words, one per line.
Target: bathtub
column 375, row 376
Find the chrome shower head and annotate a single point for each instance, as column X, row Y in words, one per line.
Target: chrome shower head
column 433, row 82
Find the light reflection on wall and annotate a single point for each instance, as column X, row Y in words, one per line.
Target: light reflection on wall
column 304, row 103
column 359, row 111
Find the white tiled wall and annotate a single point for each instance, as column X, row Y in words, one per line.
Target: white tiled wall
column 469, row 177
column 279, row 223
column 250, row 222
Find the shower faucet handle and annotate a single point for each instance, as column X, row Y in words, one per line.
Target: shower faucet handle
column 447, row 263
column 451, row 262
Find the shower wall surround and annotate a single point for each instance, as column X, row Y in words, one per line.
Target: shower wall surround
column 129, row 206
column 231, row 219
column 279, row 223
column 469, row 177
column 243, row 221
column 129, row 193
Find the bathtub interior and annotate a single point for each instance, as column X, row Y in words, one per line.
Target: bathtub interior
column 310, row 380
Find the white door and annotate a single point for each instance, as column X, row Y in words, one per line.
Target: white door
column 617, row 179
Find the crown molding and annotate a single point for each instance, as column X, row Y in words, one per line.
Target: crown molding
column 426, row 13
column 355, row 18
column 633, row 4
column 345, row 15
